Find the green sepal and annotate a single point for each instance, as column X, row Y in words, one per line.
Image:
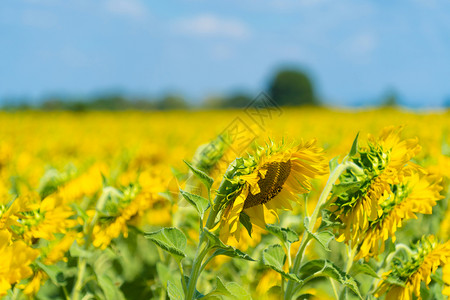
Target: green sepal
column 354, row 148
column 333, row 163
column 274, row 258
column 171, row 240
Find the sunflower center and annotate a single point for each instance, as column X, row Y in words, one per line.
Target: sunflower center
column 271, row 184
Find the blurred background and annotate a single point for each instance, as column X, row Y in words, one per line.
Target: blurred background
column 157, row 55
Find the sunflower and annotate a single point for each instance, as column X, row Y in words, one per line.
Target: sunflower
column 384, row 161
column 418, row 193
column 405, row 278
column 269, row 180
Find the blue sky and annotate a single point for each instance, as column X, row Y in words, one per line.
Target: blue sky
column 356, row 50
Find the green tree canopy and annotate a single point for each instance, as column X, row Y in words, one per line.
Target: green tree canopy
column 292, row 88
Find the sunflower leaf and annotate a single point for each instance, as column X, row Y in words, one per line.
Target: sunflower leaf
column 174, row 291
column 325, row 268
column 286, row 235
column 224, row 249
column 170, row 239
column 274, row 258
column 199, row 203
column 109, row 288
column 54, row 272
column 230, row 290
column 354, row 148
column 364, row 268
column 323, row 237
column 202, row 176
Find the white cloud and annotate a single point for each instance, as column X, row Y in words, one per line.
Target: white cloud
column 127, row 8
column 212, row 26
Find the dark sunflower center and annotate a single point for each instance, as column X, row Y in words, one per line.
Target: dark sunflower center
column 271, row 185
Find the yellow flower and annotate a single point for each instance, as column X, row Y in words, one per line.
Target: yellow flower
column 32, row 287
column 384, row 161
column 268, row 181
column 104, row 232
column 428, row 258
column 417, row 194
column 15, row 261
column 52, row 217
column 59, row 248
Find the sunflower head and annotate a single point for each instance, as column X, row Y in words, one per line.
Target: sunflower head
column 268, row 180
column 406, row 274
column 385, row 163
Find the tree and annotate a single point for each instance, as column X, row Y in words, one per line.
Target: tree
column 292, row 88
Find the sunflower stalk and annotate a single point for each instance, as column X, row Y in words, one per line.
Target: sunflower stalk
column 82, row 261
column 322, row 202
column 204, row 245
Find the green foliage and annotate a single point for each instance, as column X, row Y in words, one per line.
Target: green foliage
column 292, row 88
column 325, row 268
column 171, row 240
column 274, row 258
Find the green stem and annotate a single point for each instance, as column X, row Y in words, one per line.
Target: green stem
column 203, row 246
column 183, row 281
column 79, row 283
column 351, row 256
column 82, row 260
column 334, row 176
column 333, row 284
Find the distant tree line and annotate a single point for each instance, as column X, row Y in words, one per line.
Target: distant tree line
column 288, row 87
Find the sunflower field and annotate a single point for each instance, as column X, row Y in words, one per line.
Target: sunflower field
column 261, row 203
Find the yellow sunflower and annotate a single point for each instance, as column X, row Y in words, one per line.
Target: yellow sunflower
column 384, row 161
column 269, row 180
column 417, row 194
column 429, row 256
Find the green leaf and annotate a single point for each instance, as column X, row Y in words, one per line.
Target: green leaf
column 230, row 290
column 245, row 220
column 174, row 291
column 224, row 249
column 200, row 203
column 220, row 290
column 202, row 176
column 354, row 148
column 286, row 235
column 54, row 272
column 325, row 268
column 233, row 252
column 237, row 291
column 323, row 237
column 111, row 291
column 165, row 274
column 170, row 239
column 274, row 258
column 364, row 268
